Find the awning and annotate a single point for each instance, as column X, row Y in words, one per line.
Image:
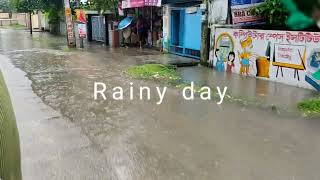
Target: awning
column 179, row 1
column 140, row 3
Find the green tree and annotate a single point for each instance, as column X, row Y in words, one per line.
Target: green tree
column 308, row 7
column 6, row 6
column 29, row 6
column 274, row 11
column 103, row 5
column 301, row 13
column 54, row 8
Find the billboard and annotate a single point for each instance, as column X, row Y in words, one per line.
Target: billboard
column 140, row 3
column 82, row 30
column 241, row 11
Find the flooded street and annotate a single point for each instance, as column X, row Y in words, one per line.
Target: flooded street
column 66, row 134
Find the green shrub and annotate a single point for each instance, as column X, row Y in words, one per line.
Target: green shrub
column 310, row 107
column 159, row 72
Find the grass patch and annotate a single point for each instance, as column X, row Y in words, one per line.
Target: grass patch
column 67, row 49
column 40, row 39
column 310, row 107
column 167, row 74
column 158, row 72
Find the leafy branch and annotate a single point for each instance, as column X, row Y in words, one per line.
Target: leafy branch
column 274, row 12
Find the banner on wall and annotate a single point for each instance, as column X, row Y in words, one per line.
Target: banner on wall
column 140, row 3
column 241, row 11
column 81, row 16
column 289, row 57
column 82, row 30
column 218, row 12
column 120, row 10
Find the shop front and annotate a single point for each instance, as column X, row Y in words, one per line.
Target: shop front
column 146, row 24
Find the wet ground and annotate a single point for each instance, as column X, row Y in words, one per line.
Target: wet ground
column 65, row 134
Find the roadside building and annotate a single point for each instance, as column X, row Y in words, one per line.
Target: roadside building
column 99, row 25
column 239, row 44
column 182, row 27
column 151, row 13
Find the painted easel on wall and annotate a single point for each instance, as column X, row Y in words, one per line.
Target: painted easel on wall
column 281, row 65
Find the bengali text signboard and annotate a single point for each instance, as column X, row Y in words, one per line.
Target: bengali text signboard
column 290, row 57
column 241, row 11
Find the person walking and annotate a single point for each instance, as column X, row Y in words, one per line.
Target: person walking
column 142, row 30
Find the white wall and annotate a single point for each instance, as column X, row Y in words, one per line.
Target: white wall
column 21, row 18
column 290, row 48
column 217, row 12
column 166, row 27
column 63, row 28
column 35, row 21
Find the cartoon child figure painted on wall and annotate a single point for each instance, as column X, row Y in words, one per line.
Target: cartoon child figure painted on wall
column 315, row 60
column 245, row 55
column 220, row 62
column 313, row 70
column 230, row 62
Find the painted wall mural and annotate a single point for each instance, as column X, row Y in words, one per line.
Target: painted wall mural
column 284, row 56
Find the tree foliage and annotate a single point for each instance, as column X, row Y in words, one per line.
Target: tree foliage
column 274, row 11
column 300, row 15
column 37, row 5
column 308, row 7
column 54, row 8
column 102, row 5
column 5, row 6
column 28, row 5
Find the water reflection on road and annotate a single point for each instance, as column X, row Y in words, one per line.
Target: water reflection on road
column 175, row 140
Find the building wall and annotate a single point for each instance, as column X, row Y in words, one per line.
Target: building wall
column 192, row 26
column 166, row 27
column 288, row 57
column 35, row 21
column 182, row 35
column 21, row 18
column 7, row 22
column 63, row 28
column 4, row 15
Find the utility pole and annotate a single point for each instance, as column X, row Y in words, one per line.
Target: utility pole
column 30, row 21
column 69, row 24
column 205, row 35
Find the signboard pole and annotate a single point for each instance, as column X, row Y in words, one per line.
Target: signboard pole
column 82, row 33
column 69, row 24
column 81, row 43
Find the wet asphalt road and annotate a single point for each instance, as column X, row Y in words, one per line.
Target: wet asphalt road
column 65, row 134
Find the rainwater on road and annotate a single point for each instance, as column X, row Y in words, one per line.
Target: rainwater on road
column 66, row 134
